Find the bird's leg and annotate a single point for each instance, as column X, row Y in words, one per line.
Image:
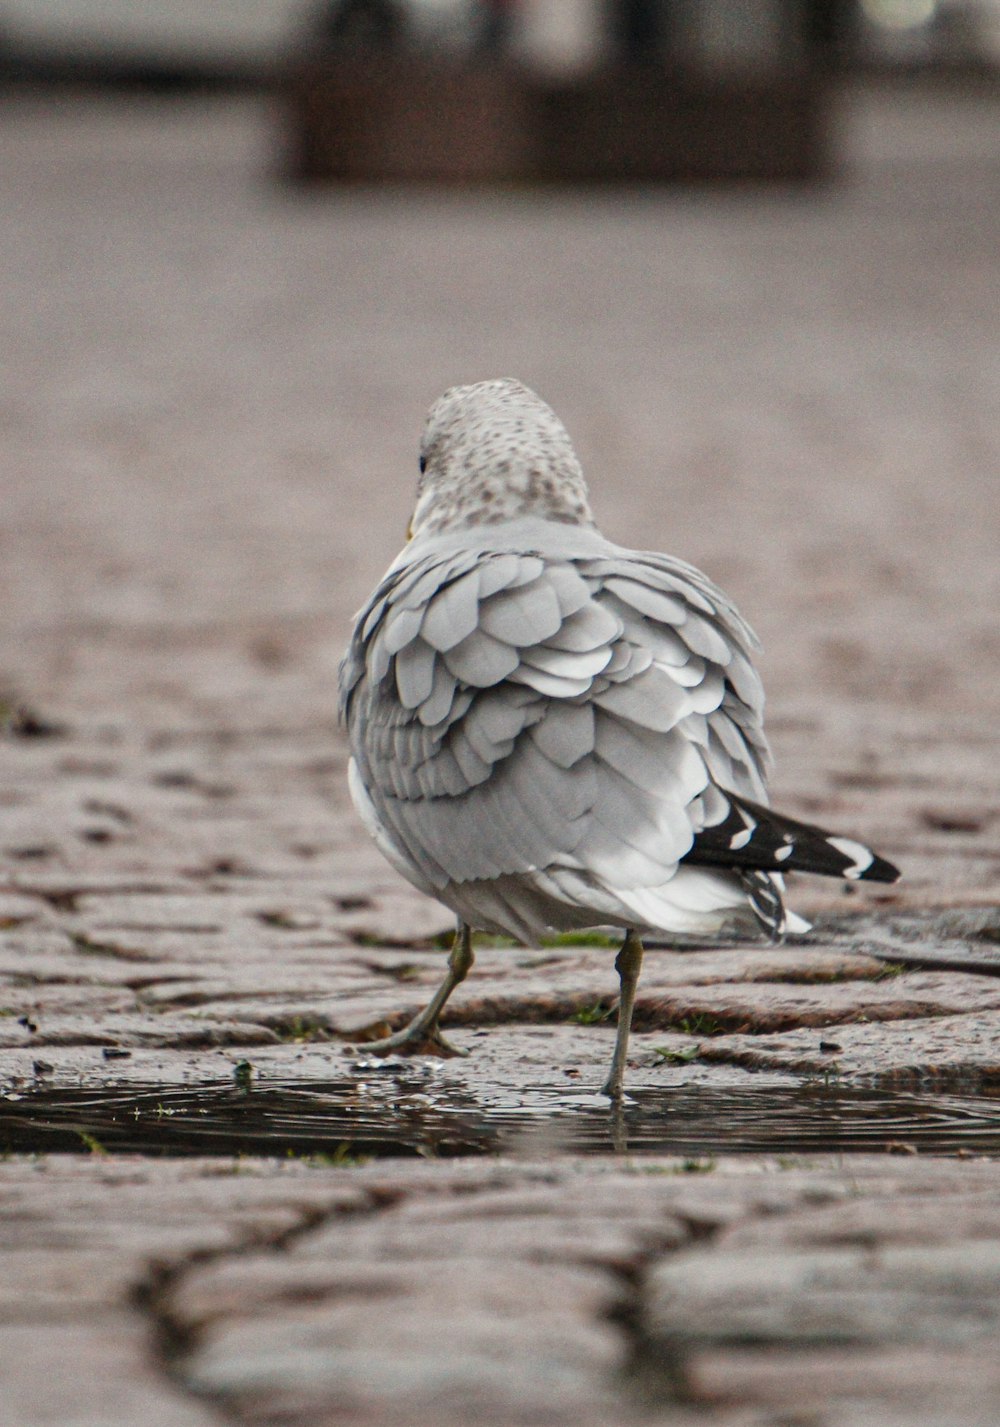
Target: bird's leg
column 422, row 1036
column 628, row 964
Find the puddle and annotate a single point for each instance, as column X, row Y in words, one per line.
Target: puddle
column 400, row 1114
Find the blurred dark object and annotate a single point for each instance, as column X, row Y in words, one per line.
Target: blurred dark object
column 359, row 25
column 418, row 118
column 830, row 30
column 19, row 721
column 404, row 118
column 638, row 29
column 638, row 125
column 494, row 22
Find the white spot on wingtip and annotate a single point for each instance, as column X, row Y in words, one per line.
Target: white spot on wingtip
column 861, row 857
column 783, row 852
column 740, row 839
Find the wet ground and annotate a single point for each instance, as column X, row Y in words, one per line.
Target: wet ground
column 388, row 1112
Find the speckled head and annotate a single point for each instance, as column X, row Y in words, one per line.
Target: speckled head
column 492, row 452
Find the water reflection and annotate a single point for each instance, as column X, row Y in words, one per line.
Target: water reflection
column 404, row 1113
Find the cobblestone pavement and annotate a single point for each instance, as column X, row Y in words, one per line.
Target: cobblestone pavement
column 211, row 395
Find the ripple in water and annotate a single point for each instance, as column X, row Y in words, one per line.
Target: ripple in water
column 404, row 1114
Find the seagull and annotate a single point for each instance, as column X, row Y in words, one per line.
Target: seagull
column 549, row 731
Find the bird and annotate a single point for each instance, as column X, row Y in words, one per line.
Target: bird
column 549, row 731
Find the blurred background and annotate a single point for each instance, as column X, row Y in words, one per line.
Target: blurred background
column 244, row 39
column 746, row 248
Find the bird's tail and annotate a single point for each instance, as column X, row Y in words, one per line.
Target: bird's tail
column 754, row 838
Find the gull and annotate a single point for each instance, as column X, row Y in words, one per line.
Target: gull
column 549, row 731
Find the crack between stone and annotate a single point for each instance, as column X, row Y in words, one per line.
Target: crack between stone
column 172, row 1339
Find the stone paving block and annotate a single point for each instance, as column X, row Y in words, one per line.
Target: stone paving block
column 947, row 1049
column 890, row 1387
column 44, row 1287
column 363, row 1353
column 286, row 1282
column 90, row 1375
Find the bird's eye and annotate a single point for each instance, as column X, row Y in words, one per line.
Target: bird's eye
column 423, row 464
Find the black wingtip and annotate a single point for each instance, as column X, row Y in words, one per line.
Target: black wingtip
column 880, row 871
column 753, row 836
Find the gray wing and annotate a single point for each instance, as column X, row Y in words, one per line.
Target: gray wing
column 509, row 714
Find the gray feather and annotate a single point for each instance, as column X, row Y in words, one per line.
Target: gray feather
column 588, row 628
column 530, row 567
column 565, row 664
column 377, row 661
column 439, row 700
column 453, row 613
column 497, row 717
column 745, row 680
column 567, row 794
column 652, row 700
column 667, row 609
column 706, row 695
column 496, row 573
column 667, row 762
column 481, row 660
column 710, row 808
column 666, row 646
column 554, row 803
column 474, row 769
column 702, row 636
column 627, row 662
column 571, row 590
column 414, row 673
column 551, row 685
column 673, row 578
column 522, row 616
column 400, row 627
column 374, row 615
column 566, row 733
column 443, row 776
column 413, row 587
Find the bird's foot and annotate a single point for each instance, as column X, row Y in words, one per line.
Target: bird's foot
column 415, row 1040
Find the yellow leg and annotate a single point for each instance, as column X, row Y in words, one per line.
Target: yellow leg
column 422, row 1036
column 628, row 964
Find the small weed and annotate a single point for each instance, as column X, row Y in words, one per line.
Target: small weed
column 300, row 1029
column 888, row 970
column 697, row 1166
column 686, row 1166
column 243, row 1074
column 343, row 1157
column 677, row 1057
column 582, row 939
column 405, row 971
column 699, row 1024
column 90, row 946
column 592, row 1015
column 285, row 921
column 91, row 1142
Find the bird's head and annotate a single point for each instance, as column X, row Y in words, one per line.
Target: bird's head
column 492, row 452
